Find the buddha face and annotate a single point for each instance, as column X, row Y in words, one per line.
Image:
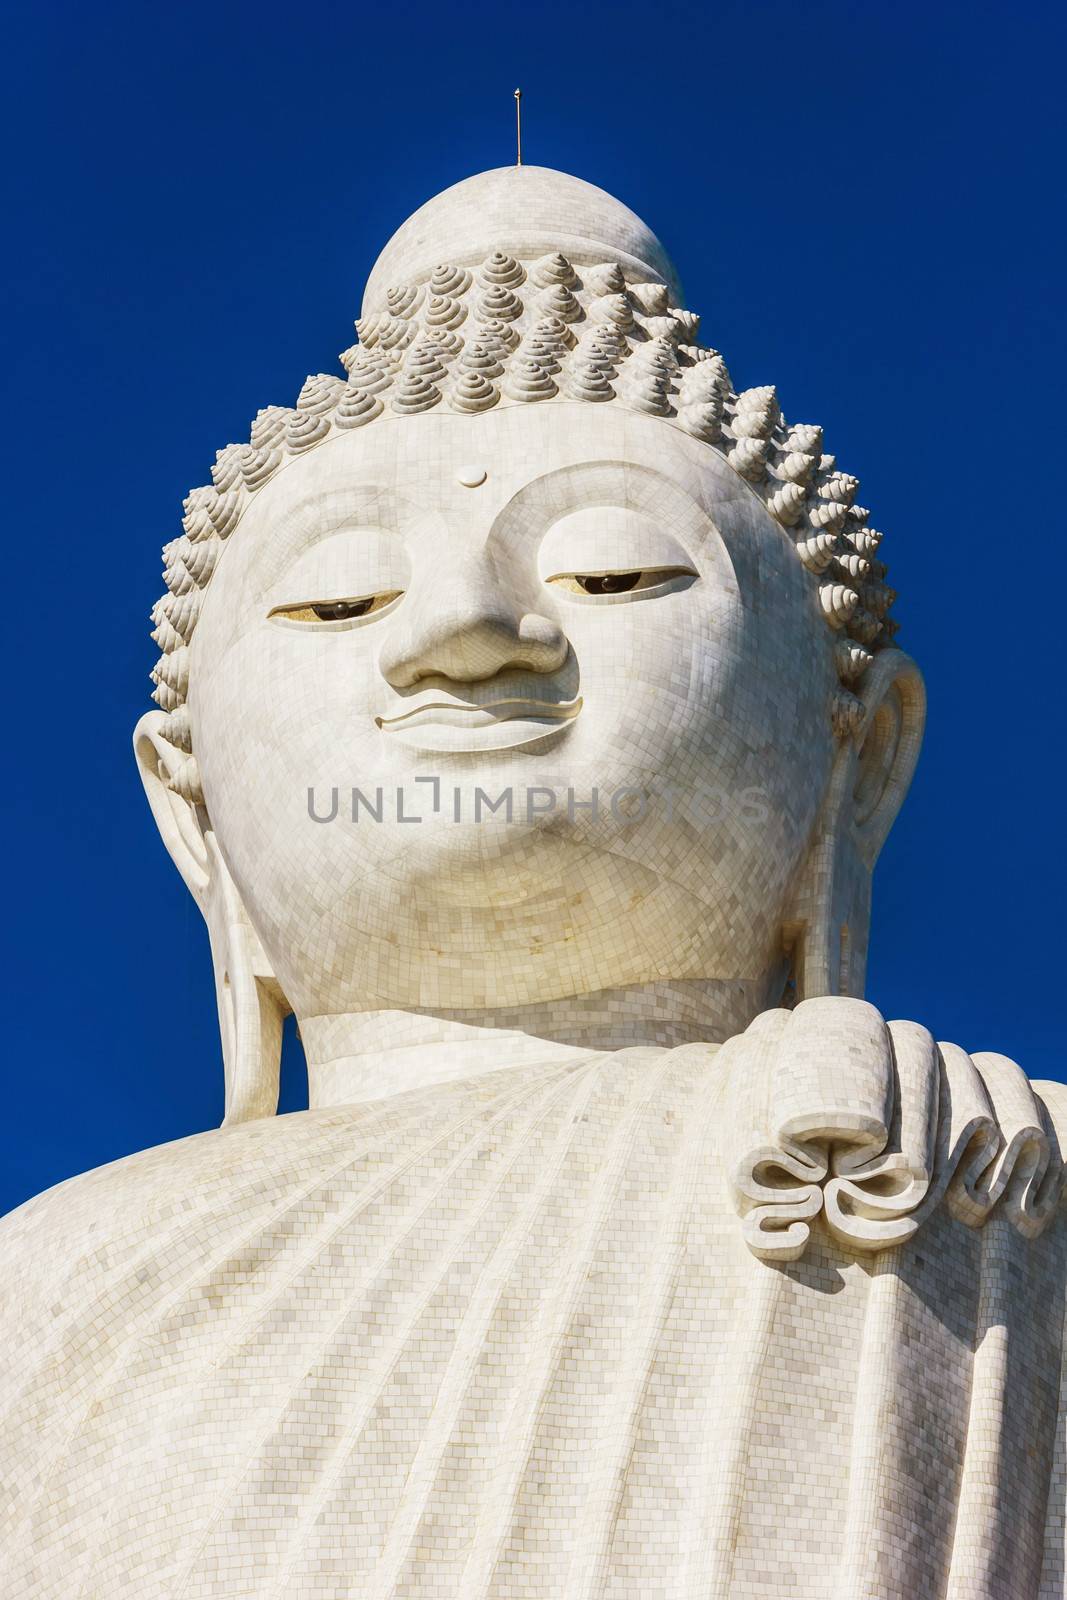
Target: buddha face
column 575, row 675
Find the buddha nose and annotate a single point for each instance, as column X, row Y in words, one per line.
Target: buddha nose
column 467, row 625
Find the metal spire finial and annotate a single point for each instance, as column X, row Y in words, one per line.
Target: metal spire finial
column 518, row 127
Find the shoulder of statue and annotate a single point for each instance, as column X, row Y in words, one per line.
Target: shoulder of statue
column 121, row 1216
column 829, row 1109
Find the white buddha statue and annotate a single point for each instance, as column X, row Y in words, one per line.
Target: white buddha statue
column 530, row 724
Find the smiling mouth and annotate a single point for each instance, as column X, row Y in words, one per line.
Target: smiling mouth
column 447, row 724
column 458, row 713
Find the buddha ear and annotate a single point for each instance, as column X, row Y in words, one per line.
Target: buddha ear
column 250, row 1002
column 880, row 732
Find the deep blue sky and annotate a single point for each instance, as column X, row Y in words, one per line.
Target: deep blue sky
column 864, row 201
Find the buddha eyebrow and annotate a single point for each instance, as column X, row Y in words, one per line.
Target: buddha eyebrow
column 356, row 501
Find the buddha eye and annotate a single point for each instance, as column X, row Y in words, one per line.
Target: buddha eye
column 613, row 583
column 337, row 610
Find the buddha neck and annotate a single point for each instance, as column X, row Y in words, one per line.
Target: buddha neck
column 369, row 1055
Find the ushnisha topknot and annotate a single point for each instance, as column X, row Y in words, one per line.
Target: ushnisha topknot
column 513, row 332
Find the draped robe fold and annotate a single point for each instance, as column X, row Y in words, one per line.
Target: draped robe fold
column 504, row 1337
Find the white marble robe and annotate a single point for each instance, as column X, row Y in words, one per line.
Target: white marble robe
column 508, row 1337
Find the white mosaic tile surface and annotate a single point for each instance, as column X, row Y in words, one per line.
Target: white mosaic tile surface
column 595, row 1269
column 503, row 1337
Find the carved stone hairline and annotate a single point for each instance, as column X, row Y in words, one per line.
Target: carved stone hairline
column 469, row 341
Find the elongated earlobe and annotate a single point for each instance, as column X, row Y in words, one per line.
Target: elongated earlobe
column 828, row 929
column 251, row 1005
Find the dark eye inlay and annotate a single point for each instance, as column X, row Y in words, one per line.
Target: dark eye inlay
column 341, row 610
column 337, row 610
column 607, row 583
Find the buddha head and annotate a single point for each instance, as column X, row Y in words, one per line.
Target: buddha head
column 527, row 663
